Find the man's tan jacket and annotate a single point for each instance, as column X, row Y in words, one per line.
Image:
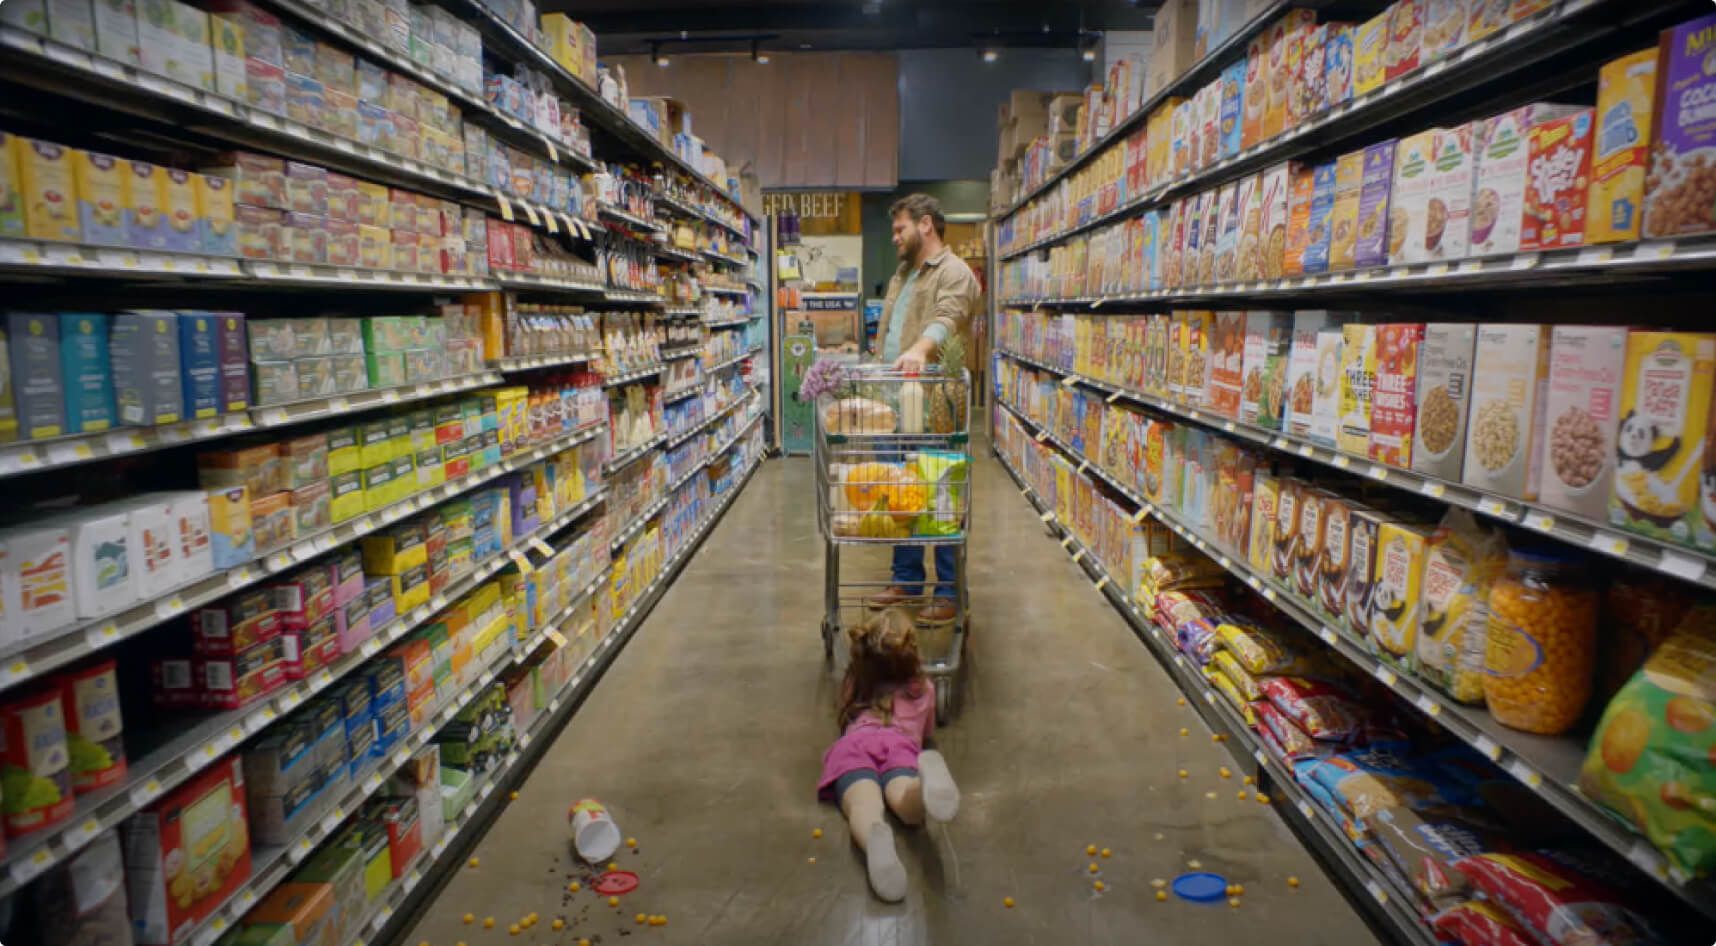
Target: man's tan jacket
column 946, row 293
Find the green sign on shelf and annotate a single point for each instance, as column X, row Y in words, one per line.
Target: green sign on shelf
column 798, row 420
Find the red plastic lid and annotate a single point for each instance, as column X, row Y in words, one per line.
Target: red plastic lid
column 617, row 882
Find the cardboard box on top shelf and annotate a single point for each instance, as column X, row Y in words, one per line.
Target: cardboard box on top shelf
column 1173, row 40
column 1029, row 107
column 1063, row 112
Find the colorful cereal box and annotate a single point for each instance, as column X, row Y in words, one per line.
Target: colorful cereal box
column 1393, row 402
column 1370, row 42
column 1683, row 156
column 1343, row 216
column 1301, row 191
column 1371, row 245
column 1326, row 396
column 1557, row 176
column 1358, row 380
column 1405, row 38
column 1665, row 403
column 1444, row 28
column 1315, row 258
column 1268, row 342
column 1338, row 63
column 1255, row 96
column 1395, row 586
column 1231, row 130
column 1227, row 357
column 1302, row 371
column 1585, row 367
column 1503, row 149
column 1507, row 409
column 1626, row 89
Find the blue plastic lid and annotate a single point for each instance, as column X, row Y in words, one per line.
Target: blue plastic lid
column 1201, row 887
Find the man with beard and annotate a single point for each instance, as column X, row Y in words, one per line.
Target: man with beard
column 931, row 297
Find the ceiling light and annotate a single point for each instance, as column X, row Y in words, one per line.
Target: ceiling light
column 1089, row 54
column 991, row 54
column 656, row 54
column 757, row 55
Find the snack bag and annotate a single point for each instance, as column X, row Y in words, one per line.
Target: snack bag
column 1554, row 901
column 1425, row 845
column 1227, row 689
column 1366, row 781
column 1263, row 650
column 1461, row 560
column 1243, row 681
column 1322, row 710
column 1196, row 638
column 1477, row 923
column 1292, row 741
column 1649, row 759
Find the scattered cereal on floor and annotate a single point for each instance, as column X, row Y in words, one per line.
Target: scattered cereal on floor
column 488, row 922
column 1159, row 835
column 1243, row 796
column 1233, row 902
column 816, row 832
column 558, row 924
column 513, row 796
column 1239, row 890
column 1185, row 774
column 470, row 918
column 1262, row 799
column 641, row 919
column 811, row 860
column 1100, row 886
column 1093, row 867
column 513, row 929
column 1007, row 902
column 584, row 941
column 1090, row 849
column 613, row 866
column 1248, row 780
column 1225, row 772
column 1107, row 852
column 574, row 886
column 632, row 843
column 1180, row 702
column 613, row 901
column 1158, row 883
column 1195, row 865
column 1161, row 895
column 474, row 862
column 1184, row 731
column 1292, row 881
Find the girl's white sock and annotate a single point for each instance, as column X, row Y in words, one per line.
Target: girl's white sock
column 887, row 874
column 941, row 795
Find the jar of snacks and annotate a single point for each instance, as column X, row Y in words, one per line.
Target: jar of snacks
column 1541, row 650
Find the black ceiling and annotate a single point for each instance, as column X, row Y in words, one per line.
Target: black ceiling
column 691, row 26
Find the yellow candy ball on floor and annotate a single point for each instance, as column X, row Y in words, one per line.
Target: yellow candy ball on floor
column 1292, row 881
column 613, row 866
column 641, row 919
column 1262, row 799
column 574, row 886
column 1233, row 902
column 631, row 842
column 513, row 796
column 1248, row 780
column 1243, row 796
column 1007, row 902
column 474, row 862
column 470, row 918
column 1100, row 886
column 1158, row 883
column 1161, row 895
column 811, row 859
column 488, row 922
column 584, row 942
column 613, row 901
column 558, row 924
column 513, row 929
column 1090, row 849
column 1184, row 731
column 1094, row 868
column 1185, row 774
column 1225, row 773
column 1180, row 702
column 816, row 832
column 1239, row 890
column 1107, row 853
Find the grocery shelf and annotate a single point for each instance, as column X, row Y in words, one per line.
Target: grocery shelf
column 726, row 290
column 616, row 213
column 682, row 310
column 687, row 210
column 540, row 216
column 1567, row 26
column 638, row 522
column 33, row 658
column 1548, row 766
column 533, row 281
column 679, row 438
column 39, row 259
column 734, row 440
column 632, row 296
column 1573, row 269
column 636, row 374
column 1663, row 557
column 719, row 366
column 674, row 253
column 1388, row 904
column 722, row 257
column 670, row 397
column 688, row 351
column 731, row 323
column 633, row 455
column 471, row 103
column 555, row 360
column 401, row 902
column 207, row 739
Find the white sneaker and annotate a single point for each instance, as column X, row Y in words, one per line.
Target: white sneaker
column 887, row 874
column 941, row 795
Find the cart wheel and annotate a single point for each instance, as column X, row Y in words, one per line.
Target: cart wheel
column 827, row 641
column 943, row 700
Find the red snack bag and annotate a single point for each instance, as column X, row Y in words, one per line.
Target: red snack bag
column 1475, row 923
column 1323, row 711
column 1555, row 903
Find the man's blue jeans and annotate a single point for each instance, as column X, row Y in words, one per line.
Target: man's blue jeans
column 909, row 569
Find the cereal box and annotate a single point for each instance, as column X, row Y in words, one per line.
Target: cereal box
column 1265, row 497
column 1503, row 148
column 186, row 853
column 1393, row 402
column 1227, row 362
column 1364, row 528
column 1395, row 584
column 1507, row 406
column 1343, row 216
column 1200, row 335
column 1226, row 232
column 1626, row 88
column 1338, row 64
column 1315, row 256
column 1444, row 28
column 1558, row 171
column 1683, row 156
column 1585, row 366
column 1268, row 342
column 1484, row 17
column 1334, row 561
column 1286, row 529
column 1301, row 190
column 1308, row 547
column 100, row 182
column 1272, row 223
column 1665, row 404
column 1231, row 130
column 1370, row 41
column 1405, row 38
column 1305, row 85
column 1358, row 379
column 1249, row 260
column 1285, row 44
column 1183, row 137
column 1302, row 371
column 1370, row 247
column 1429, row 207
column 1326, row 396
column 1255, row 95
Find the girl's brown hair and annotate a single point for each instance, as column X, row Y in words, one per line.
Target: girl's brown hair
column 884, row 660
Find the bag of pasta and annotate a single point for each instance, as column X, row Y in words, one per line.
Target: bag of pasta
column 1461, row 560
column 1264, row 650
column 1179, row 572
column 1649, row 760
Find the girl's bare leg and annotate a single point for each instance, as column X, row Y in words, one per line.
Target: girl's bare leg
column 905, row 798
column 863, row 806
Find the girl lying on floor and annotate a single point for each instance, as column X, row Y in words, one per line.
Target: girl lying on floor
column 887, row 710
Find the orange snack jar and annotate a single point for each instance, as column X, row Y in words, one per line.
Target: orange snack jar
column 1541, row 652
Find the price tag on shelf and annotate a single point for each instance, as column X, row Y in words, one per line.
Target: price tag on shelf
column 371, row 784
column 1280, row 443
column 1066, row 543
column 530, row 213
column 145, row 793
column 553, row 634
column 260, row 718
column 1306, row 450
column 1328, row 635
column 1487, row 746
column 1657, row 249
column 519, row 560
column 542, row 547
column 1227, row 425
column 1048, row 516
column 1609, row 543
column 1387, row 676
column 505, row 207
column 1525, row 773
column 1427, row 706
column 1378, row 472
column 1541, row 521
column 70, row 452
column 1471, row 266
column 171, row 605
column 1102, row 583
column 1436, row 269
column 125, row 441
column 1524, row 261
column 1138, row 516
column 78, row 836
column 1341, row 461
column 1681, row 566
column 1042, row 435
column 1595, row 255
column 102, row 635
column 1432, row 489
column 1078, row 556
column 1375, row 888
column 1082, row 466
column 1069, row 381
column 1115, row 396
column 1491, row 506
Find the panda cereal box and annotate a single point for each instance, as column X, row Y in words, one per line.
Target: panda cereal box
column 1664, row 413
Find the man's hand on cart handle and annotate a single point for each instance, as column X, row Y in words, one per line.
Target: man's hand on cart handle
column 914, row 358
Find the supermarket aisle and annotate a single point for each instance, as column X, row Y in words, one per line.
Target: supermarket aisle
column 705, row 738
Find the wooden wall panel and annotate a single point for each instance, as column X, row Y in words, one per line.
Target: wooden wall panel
column 822, row 120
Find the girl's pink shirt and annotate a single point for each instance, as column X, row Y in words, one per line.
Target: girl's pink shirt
column 913, row 716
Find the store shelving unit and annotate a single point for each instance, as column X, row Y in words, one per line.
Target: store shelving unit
column 137, row 109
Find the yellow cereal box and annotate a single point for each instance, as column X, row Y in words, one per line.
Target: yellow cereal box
column 1358, row 379
column 1369, row 41
column 1265, row 498
column 1621, row 149
column 1665, row 406
column 1395, row 586
column 1343, row 218
column 47, row 189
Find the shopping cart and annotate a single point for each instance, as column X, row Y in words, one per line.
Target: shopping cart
column 893, row 468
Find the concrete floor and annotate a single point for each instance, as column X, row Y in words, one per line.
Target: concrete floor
column 705, row 738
